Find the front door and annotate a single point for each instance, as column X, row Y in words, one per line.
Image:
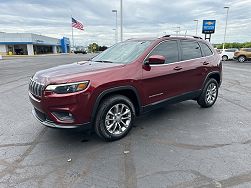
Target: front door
column 162, row 81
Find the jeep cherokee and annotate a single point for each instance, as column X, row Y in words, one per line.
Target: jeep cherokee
column 126, row 80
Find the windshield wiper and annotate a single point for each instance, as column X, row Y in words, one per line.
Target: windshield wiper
column 104, row 61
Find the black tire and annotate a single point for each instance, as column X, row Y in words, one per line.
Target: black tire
column 224, row 58
column 203, row 99
column 242, row 59
column 108, row 105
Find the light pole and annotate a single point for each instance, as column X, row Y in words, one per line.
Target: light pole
column 115, row 38
column 177, row 31
column 197, row 21
column 121, row 20
column 225, row 27
column 116, row 32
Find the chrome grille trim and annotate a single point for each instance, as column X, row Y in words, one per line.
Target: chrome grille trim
column 36, row 88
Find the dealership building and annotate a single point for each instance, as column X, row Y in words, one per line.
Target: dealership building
column 32, row 44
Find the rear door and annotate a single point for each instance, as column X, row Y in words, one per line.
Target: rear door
column 192, row 62
column 209, row 60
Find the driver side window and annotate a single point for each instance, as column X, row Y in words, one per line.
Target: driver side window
column 168, row 49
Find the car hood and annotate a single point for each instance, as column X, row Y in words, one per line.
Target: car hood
column 72, row 72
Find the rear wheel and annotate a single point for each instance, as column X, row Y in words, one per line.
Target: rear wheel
column 241, row 59
column 224, row 58
column 209, row 94
column 114, row 118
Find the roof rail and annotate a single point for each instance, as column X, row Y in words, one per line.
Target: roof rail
column 166, row 35
column 186, row 36
column 197, row 37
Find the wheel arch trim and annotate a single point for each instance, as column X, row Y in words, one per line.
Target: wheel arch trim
column 210, row 74
column 112, row 90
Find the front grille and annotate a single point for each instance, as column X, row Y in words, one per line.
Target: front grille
column 36, row 88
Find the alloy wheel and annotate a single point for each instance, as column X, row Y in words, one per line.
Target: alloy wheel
column 211, row 93
column 241, row 59
column 118, row 119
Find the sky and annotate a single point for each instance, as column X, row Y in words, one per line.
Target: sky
column 142, row 18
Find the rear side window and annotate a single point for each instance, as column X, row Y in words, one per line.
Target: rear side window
column 230, row 50
column 190, row 50
column 168, row 49
column 205, row 48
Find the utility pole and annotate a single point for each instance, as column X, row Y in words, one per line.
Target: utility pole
column 197, row 21
column 186, row 33
column 116, row 32
column 121, row 20
column 225, row 27
column 177, row 31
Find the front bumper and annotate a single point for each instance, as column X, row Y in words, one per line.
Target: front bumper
column 49, row 123
column 47, row 110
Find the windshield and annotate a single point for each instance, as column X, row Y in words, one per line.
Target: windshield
column 123, row 52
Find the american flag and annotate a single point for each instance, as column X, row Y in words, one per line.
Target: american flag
column 77, row 24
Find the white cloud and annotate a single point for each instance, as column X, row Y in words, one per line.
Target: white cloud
column 142, row 18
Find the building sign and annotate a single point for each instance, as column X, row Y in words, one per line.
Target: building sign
column 39, row 41
column 208, row 26
column 65, row 45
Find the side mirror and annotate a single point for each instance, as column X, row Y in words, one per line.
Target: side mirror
column 156, row 60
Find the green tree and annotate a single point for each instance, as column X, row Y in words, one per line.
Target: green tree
column 234, row 45
column 94, row 47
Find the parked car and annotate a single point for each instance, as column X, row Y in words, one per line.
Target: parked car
column 218, row 50
column 19, row 51
column 243, row 55
column 80, row 52
column 227, row 54
column 126, row 80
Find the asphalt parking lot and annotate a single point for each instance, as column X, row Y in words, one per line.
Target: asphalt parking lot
column 181, row 145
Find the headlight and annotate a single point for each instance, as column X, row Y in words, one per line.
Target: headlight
column 68, row 88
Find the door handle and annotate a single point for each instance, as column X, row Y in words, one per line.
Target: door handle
column 177, row 68
column 205, row 63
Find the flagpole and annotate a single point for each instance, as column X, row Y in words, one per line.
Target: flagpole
column 72, row 35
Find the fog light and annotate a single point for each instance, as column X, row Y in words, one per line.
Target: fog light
column 63, row 116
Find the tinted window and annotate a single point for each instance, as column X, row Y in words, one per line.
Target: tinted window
column 230, row 50
column 207, row 51
column 190, row 50
column 248, row 50
column 169, row 50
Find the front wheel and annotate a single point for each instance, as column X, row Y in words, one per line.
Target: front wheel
column 242, row 59
column 114, row 118
column 209, row 94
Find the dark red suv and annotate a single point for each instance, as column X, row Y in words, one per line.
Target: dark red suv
column 126, row 80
